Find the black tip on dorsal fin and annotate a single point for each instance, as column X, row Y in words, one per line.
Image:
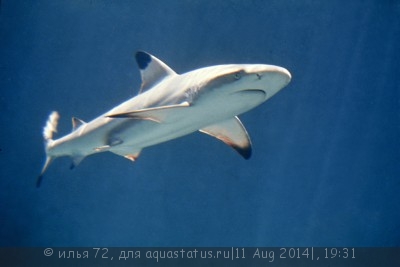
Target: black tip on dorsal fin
column 142, row 59
column 232, row 133
column 152, row 70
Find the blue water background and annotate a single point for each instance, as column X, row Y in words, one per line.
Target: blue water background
column 325, row 167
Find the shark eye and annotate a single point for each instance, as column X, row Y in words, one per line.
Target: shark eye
column 237, row 75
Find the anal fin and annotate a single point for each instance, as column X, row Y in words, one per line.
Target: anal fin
column 75, row 161
column 232, row 133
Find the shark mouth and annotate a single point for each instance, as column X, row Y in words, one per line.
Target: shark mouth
column 259, row 93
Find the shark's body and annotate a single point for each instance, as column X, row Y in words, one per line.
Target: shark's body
column 169, row 106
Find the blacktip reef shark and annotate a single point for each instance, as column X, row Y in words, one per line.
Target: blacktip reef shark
column 168, row 106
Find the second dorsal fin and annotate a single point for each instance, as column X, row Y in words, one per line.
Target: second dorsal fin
column 152, row 70
column 76, row 123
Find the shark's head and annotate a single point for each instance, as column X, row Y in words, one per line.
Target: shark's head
column 241, row 86
column 268, row 79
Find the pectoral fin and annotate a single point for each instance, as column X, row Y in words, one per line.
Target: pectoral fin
column 232, row 133
column 156, row 114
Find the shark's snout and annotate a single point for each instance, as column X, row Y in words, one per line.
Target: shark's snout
column 268, row 79
column 274, row 71
column 285, row 74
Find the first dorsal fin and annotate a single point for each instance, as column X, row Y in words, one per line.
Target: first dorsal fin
column 76, row 123
column 152, row 70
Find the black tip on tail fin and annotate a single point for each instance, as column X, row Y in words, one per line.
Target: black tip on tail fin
column 46, row 165
column 39, row 181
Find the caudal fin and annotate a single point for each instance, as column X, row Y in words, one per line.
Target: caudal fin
column 48, row 132
column 46, row 165
column 51, row 126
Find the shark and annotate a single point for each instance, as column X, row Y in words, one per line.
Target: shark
column 169, row 106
